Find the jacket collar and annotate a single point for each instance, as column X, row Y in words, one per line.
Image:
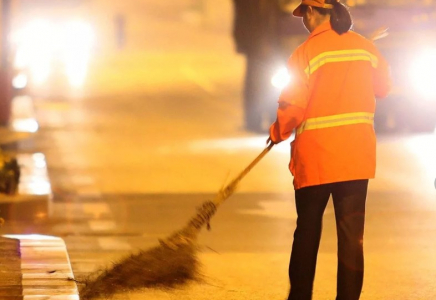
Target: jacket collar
column 325, row 26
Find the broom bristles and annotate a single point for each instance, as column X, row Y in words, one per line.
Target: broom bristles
column 172, row 263
column 159, row 267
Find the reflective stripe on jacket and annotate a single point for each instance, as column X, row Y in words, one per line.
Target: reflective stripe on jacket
column 331, row 103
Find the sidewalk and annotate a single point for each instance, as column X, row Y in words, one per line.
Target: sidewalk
column 33, row 200
column 35, row 267
column 31, row 266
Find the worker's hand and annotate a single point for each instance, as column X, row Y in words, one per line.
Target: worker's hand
column 270, row 141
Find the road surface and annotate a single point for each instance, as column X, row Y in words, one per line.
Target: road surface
column 159, row 130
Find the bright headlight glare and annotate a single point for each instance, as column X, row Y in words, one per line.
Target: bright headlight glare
column 21, row 59
column 36, row 43
column 40, row 71
column 76, row 74
column 78, row 38
column 77, row 51
column 281, row 78
column 422, row 74
column 40, row 43
column 19, row 81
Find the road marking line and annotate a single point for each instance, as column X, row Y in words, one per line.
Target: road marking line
column 275, row 209
column 97, row 225
column 97, row 210
column 201, row 81
column 89, row 193
column 234, row 144
column 108, row 243
column 82, row 180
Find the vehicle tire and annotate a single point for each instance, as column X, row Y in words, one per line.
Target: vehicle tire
column 385, row 123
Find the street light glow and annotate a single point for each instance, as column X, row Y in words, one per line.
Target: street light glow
column 422, row 74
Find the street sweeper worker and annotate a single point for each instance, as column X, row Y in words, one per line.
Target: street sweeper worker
column 336, row 74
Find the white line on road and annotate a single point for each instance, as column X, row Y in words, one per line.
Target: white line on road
column 275, row 209
column 82, row 180
column 89, row 193
column 97, row 225
column 235, row 144
column 198, row 79
column 97, row 210
column 108, row 243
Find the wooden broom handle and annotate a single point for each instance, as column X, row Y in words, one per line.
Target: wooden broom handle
column 252, row 164
column 228, row 190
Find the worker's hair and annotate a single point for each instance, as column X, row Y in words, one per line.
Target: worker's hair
column 340, row 17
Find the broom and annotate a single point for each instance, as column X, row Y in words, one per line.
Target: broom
column 173, row 262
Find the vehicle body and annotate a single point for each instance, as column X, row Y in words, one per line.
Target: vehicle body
column 52, row 44
column 410, row 49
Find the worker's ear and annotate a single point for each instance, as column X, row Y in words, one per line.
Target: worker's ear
column 309, row 10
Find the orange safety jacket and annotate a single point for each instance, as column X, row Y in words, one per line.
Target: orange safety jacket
column 331, row 103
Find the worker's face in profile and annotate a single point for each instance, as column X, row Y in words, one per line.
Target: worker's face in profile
column 309, row 18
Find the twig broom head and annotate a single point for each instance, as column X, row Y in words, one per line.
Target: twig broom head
column 171, row 264
column 158, row 267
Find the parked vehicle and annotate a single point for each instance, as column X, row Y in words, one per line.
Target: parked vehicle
column 410, row 49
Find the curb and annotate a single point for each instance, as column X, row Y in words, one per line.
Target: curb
column 33, row 200
column 46, row 272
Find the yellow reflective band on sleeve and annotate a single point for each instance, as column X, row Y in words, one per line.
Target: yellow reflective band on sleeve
column 336, row 121
column 340, row 56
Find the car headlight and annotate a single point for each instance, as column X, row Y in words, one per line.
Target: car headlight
column 422, row 72
column 41, row 43
column 281, row 78
column 19, row 81
column 77, row 49
column 35, row 45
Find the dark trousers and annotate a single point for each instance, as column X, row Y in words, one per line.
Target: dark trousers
column 349, row 199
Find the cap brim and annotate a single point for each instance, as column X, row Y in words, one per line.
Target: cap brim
column 297, row 12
